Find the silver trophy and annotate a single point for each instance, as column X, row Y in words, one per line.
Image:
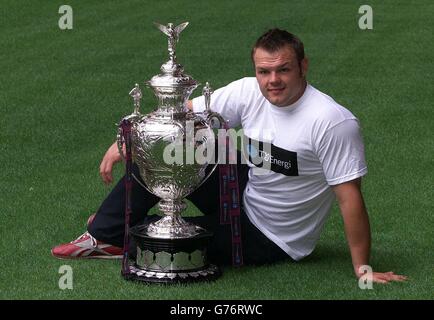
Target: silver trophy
column 165, row 145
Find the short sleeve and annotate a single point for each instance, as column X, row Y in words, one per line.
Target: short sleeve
column 226, row 101
column 342, row 153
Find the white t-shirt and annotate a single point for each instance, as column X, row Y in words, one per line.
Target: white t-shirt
column 315, row 143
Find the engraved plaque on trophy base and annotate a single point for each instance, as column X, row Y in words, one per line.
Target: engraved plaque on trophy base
column 180, row 260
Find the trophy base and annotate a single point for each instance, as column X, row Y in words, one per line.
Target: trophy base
column 180, row 260
column 211, row 273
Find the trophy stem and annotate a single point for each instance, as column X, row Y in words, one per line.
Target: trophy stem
column 172, row 225
column 172, row 207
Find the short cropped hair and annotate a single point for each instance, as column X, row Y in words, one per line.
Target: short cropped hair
column 275, row 39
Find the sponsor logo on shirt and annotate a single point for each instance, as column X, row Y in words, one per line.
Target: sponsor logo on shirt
column 268, row 156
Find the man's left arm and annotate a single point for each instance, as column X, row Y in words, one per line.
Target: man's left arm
column 357, row 229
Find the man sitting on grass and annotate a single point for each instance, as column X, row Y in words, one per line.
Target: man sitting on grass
column 318, row 156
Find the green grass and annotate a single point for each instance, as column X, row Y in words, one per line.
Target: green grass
column 63, row 91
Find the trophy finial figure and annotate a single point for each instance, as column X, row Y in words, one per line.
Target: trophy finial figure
column 136, row 93
column 173, row 36
column 207, row 91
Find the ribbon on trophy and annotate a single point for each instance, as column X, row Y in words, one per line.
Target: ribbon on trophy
column 228, row 180
column 125, row 128
column 230, row 200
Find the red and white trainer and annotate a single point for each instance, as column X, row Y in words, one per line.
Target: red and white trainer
column 86, row 247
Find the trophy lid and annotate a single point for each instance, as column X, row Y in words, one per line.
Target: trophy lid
column 171, row 72
column 172, row 76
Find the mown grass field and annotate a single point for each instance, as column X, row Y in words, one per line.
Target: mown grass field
column 62, row 91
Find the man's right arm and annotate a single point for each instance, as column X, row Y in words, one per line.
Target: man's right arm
column 111, row 157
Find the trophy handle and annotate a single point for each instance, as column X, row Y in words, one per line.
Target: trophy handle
column 207, row 176
column 215, row 120
column 120, row 142
column 136, row 94
column 142, row 184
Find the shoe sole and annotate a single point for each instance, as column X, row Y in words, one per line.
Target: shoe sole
column 86, row 257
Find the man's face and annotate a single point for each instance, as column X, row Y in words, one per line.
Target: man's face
column 279, row 75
